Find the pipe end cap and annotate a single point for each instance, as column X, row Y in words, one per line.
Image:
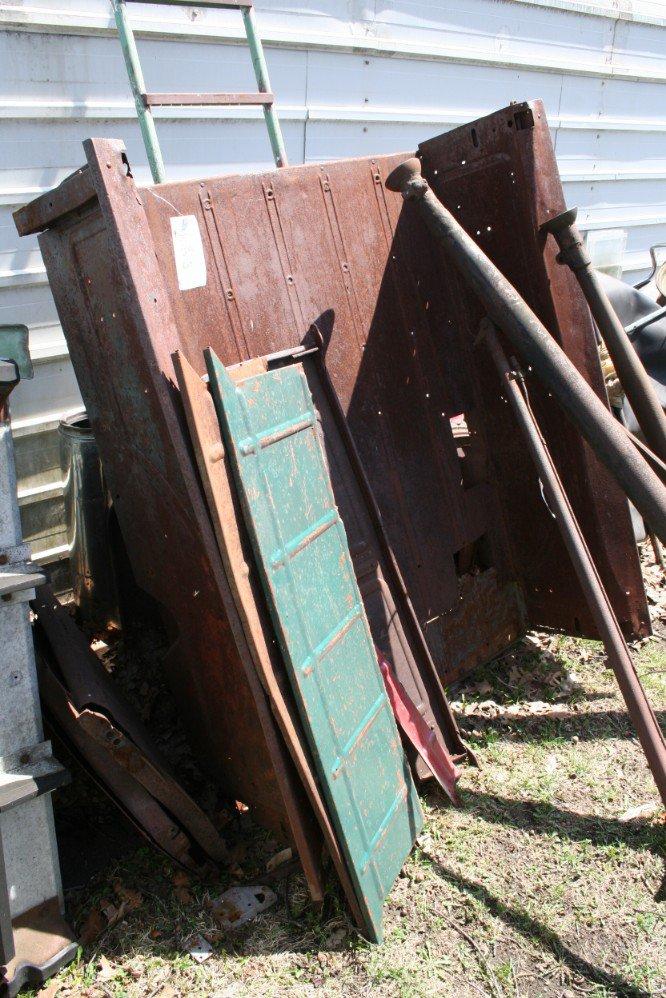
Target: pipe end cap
column 403, row 176
column 557, row 223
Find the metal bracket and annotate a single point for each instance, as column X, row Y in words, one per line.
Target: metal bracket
column 18, row 576
column 28, row 774
column 14, row 351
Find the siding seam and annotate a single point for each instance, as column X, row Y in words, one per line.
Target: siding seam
column 18, row 19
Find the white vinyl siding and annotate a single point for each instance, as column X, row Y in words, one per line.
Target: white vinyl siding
column 352, row 77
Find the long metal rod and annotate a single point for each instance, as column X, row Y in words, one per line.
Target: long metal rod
column 138, row 86
column 264, row 86
column 657, row 465
column 619, row 656
column 538, row 348
column 633, row 377
column 647, row 320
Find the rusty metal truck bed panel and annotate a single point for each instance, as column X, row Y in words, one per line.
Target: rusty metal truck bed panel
column 113, row 304
column 499, row 177
column 328, row 246
column 326, row 250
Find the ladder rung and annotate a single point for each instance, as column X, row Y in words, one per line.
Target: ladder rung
column 203, row 100
column 220, row 4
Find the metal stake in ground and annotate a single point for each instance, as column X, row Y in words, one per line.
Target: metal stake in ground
column 633, row 377
column 537, row 347
column 619, row 656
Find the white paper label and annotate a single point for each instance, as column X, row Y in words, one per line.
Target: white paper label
column 188, row 252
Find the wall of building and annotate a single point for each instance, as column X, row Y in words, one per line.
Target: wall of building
column 351, row 78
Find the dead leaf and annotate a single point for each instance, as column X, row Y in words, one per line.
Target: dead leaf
column 221, row 818
column 215, row 936
column 278, row 859
column 111, row 913
column 92, row 928
column 238, row 853
column 336, row 937
column 640, row 811
column 181, row 882
column 131, row 898
column 107, row 971
column 51, row 990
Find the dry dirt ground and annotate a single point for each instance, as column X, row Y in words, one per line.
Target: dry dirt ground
column 547, row 882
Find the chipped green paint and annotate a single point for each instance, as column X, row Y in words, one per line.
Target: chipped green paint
column 269, row 426
column 138, row 85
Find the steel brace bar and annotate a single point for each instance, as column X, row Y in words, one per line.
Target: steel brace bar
column 619, row 656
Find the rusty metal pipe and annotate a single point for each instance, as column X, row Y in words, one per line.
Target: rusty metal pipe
column 537, row 347
column 619, row 656
column 657, row 465
column 633, row 377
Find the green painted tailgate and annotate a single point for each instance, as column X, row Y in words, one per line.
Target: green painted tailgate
column 269, row 426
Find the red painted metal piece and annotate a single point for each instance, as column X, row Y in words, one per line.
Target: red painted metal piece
column 421, row 736
column 498, row 176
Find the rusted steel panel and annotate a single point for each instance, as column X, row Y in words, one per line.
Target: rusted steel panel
column 485, row 617
column 73, row 193
column 329, row 247
column 499, row 177
column 116, row 314
column 327, row 272
column 398, row 327
column 118, row 728
column 270, row 426
column 144, row 810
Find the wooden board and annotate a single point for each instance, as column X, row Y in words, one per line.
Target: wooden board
column 225, row 514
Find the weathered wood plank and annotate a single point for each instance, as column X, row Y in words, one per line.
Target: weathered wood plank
column 74, row 192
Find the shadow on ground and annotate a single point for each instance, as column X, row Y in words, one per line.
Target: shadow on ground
column 587, row 726
column 537, row 932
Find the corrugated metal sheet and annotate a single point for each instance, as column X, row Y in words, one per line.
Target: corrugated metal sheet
column 352, row 78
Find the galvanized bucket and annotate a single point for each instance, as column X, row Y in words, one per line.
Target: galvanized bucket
column 87, row 509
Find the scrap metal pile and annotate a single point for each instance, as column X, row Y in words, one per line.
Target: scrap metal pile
column 298, row 384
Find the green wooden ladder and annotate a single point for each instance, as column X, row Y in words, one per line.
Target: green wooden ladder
column 145, row 102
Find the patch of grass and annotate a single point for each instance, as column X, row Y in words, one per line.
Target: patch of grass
column 535, row 887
